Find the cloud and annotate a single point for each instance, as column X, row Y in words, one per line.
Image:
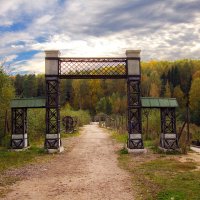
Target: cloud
column 35, row 65
column 161, row 29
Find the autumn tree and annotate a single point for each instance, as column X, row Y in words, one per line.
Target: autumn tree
column 6, row 94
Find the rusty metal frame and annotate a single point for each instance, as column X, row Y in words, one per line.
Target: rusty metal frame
column 168, row 126
column 19, row 127
column 134, row 115
column 52, row 140
column 97, row 68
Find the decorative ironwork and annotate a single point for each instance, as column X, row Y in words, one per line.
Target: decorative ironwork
column 92, row 67
column 134, row 115
column 69, row 123
column 19, row 128
column 169, row 139
column 52, row 140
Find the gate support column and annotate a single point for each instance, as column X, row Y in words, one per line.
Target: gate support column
column 52, row 139
column 19, row 138
column 134, row 143
column 168, row 139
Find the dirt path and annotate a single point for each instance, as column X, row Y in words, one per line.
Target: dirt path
column 89, row 171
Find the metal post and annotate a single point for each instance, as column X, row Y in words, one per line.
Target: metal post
column 134, row 115
column 169, row 139
column 52, row 140
column 134, row 100
column 19, row 138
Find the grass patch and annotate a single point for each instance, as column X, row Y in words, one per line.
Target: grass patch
column 119, row 137
column 10, row 159
column 163, row 178
column 68, row 135
column 148, row 143
column 123, row 151
column 160, row 176
column 13, row 159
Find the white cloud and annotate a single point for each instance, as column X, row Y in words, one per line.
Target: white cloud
column 99, row 28
column 35, row 65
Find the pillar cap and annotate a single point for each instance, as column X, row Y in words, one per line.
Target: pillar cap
column 52, row 53
column 133, row 53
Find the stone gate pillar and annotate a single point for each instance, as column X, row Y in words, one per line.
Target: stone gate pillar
column 52, row 139
column 19, row 138
column 134, row 142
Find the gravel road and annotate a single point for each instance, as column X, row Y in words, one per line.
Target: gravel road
column 88, row 171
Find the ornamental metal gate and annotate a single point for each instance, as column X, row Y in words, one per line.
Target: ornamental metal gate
column 93, row 68
column 128, row 68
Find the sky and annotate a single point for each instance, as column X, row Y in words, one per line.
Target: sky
column 162, row 29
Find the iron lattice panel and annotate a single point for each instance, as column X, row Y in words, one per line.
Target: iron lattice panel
column 168, row 126
column 19, row 127
column 52, row 140
column 91, row 67
column 52, row 93
column 134, row 93
column 134, row 115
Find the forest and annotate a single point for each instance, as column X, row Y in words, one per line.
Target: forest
column 179, row 79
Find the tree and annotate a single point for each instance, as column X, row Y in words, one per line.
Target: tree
column 179, row 95
column 167, row 90
column 19, row 83
column 195, row 94
column 154, row 90
column 6, row 95
column 104, row 106
column 30, row 86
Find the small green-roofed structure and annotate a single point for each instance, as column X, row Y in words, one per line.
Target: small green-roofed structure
column 156, row 102
column 28, row 103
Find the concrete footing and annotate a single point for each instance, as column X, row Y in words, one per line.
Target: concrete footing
column 137, row 151
column 59, row 150
column 195, row 148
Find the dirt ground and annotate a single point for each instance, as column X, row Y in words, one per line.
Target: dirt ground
column 88, row 171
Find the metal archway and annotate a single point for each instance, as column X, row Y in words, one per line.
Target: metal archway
column 128, row 68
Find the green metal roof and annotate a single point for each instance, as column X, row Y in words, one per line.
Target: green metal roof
column 28, row 103
column 147, row 102
column 156, row 102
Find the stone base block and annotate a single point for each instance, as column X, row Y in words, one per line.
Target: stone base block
column 59, row 150
column 137, row 151
column 195, row 148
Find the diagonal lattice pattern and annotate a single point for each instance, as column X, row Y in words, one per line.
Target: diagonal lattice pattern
column 92, row 66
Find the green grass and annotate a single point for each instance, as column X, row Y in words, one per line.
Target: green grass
column 162, row 176
column 10, row 159
column 13, row 159
column 119, row 137
column 68, row 135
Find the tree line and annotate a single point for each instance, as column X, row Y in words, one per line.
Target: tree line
column 179, row 79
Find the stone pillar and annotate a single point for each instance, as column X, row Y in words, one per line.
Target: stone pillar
column 19, row 138
column 52, row 139
column 134, row 143
column 168, row 139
